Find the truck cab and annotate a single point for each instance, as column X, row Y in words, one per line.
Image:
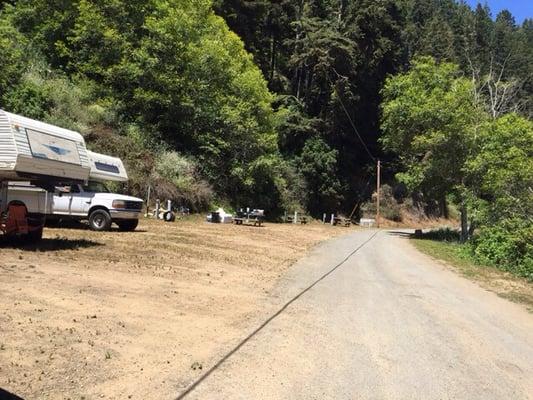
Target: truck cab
column 94, row 202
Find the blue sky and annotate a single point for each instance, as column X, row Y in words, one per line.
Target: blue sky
column 521, row 9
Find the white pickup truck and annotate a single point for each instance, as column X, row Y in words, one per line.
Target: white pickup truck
column 92, row 203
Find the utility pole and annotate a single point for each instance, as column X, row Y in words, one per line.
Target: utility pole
column 378, row 192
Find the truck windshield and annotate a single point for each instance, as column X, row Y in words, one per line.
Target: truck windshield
column 95, row 187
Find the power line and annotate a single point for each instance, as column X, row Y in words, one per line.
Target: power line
column 342, row 103
column 360, row 197
column 350, row 119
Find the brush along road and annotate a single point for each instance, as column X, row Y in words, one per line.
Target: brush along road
column 389, row 323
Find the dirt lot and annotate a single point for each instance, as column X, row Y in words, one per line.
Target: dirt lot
column 115, row 315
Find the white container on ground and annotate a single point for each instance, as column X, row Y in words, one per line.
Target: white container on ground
column 367, row 222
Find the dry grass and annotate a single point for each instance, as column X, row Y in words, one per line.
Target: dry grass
column 135, row 315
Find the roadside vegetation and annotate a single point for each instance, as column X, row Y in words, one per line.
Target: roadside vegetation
column 483, row 162
column 445, row 245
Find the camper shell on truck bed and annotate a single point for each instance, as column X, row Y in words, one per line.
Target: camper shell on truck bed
column 36, row 151
column 106, row 168
column 43, row 154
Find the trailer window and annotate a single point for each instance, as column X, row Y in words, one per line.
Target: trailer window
column 101, row 166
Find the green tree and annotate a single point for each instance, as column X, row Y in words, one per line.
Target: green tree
column 501, row 169
column 318, row 164
column 500, row 173
column 483, row 35
column 438, row 40
column 202, row 92
column 429, row 120
column 47, row 23
column 13, row 47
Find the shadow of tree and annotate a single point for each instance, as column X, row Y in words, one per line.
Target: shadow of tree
column 402, row 234
column 5, row 395
column 76, row 225
column 441, row 235
column 66, row 224
column 51, row 244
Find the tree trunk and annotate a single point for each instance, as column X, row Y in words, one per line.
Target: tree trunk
column 471, row 229
column 443, row 205
column 464, row 223
column 272, row 57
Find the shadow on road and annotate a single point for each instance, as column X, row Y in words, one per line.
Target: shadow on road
column 5, row 395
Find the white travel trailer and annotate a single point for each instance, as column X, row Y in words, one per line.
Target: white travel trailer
column 42, row 154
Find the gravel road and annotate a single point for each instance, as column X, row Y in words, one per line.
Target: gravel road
column 390, row 323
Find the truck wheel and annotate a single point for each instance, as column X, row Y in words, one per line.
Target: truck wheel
column 127, row 225
column 34, row 235
column 52, row 222
column 99, row 220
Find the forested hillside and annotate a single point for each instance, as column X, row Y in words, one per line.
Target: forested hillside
column 168, row 86
column 327, row 61
column 287, row 105
column 164, row 84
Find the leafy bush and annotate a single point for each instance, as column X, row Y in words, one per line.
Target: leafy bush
column 389, row 206
column 13, row 47
column 508, row 246
column 176, row 177
column 59, row 100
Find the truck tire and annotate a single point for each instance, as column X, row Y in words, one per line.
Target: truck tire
column 35, row 228
column 35, row 235
column 52, row 222
column 127, row 225
column 99, row 220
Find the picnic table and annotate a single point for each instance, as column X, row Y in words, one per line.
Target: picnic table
column 342, row 221
column 301, row 219
column 253, row 218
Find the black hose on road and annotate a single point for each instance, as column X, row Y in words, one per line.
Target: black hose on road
column 206, row 374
